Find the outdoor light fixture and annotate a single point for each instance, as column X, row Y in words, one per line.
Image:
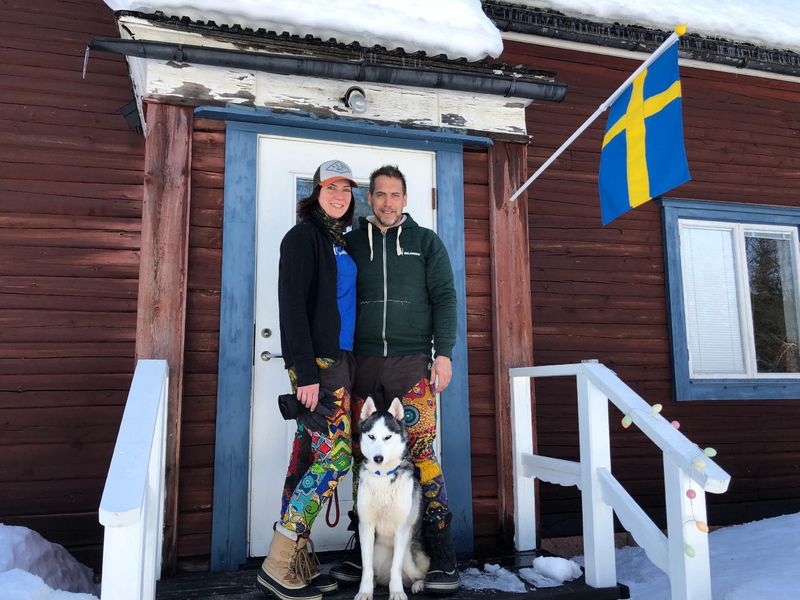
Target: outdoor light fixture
column 355, row 100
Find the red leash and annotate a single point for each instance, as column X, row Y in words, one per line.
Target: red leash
column 334, row 502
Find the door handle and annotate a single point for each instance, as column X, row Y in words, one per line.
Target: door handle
column 266, row 355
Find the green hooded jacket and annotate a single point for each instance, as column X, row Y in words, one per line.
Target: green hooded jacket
column 404, row 290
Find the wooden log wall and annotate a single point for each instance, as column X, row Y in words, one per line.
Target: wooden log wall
column 70, row 214
column 483, row 422
column 163, row 275
column 202, row 346
column 599, row 292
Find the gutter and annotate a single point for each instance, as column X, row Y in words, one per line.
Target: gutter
column 360, row 70
column 541, row 22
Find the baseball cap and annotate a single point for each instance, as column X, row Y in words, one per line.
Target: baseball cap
column 333, row 170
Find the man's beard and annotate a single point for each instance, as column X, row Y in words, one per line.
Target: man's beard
column 395, row 221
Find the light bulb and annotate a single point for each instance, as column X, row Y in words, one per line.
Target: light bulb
column 355, row 100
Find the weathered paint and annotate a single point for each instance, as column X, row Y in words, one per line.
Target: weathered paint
column 163, row 271
column 457, row 464
column 512, row 328
column 168, row 81
column 232, row 445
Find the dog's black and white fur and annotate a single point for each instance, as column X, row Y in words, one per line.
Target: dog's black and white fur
column 389, row 506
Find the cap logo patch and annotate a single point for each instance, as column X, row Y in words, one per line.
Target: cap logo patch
column 337, row 167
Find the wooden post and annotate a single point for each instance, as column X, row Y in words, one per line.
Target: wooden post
column 689, row 577
column 524, row 484
column 512, row 325
column 598, row 517
column 161, row 309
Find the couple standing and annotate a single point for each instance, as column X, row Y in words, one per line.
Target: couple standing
column 401, row 275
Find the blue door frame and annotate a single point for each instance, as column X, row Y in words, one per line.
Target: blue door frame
column 237, row 312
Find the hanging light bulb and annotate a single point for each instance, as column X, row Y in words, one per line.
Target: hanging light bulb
column 355, row 100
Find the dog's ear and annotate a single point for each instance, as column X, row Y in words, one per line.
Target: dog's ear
column 367, row 409
column 396, row 409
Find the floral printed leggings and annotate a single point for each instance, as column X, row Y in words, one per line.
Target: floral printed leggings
column 318, row 463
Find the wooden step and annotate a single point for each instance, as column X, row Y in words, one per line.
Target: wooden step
column 241, row 585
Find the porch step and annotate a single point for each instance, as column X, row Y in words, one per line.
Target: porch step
column 241, row 585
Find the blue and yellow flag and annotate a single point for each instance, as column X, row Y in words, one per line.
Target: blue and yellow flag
column 643, row 154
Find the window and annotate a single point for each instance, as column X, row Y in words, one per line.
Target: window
column 734, row 299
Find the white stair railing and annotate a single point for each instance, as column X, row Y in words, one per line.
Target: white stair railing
column 683, row 553
column 132, row 507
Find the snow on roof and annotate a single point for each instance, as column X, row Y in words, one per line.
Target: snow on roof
column 457, row 28
column 771, row 23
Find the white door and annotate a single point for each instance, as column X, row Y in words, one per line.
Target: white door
column 285, row 170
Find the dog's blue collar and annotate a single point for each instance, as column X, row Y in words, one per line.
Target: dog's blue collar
column 392, row 472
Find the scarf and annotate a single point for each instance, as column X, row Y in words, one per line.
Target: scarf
column 333, row 228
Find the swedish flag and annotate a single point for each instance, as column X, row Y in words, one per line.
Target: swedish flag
column 643, row 154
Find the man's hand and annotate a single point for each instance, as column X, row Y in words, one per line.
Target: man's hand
column 441, row 374
column 308, row 395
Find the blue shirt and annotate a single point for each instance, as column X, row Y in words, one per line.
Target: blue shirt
column 346, row 295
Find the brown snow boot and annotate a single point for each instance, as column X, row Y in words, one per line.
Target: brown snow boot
column 284, row 572
column 322, row 581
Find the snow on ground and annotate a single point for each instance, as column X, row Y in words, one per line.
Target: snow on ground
column 493, row 577
column 755, row 561
column 771, row 23
column 453, row 27
column 31, row 568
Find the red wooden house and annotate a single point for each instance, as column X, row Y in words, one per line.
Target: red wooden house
column 120, row 246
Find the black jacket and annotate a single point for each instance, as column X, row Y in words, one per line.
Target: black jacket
column 307, row 301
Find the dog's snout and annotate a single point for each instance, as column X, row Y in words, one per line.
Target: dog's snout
column 378, row 459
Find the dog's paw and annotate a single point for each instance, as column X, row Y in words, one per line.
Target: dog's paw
column 363, row 595
column 417, row 586
column 397, row 595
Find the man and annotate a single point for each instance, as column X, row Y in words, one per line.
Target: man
column 406, row 314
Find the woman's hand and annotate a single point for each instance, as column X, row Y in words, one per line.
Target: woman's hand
column 308, row 395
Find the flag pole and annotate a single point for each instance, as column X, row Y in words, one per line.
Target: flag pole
column 679, row 31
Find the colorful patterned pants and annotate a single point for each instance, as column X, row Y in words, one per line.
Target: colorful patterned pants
column 419, row 414
column 317, row 465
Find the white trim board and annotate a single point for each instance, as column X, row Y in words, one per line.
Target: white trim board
column 528, row 38
column 409, row 106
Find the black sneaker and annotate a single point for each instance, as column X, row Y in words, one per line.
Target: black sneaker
column 442, row 577
column 442, row 581
column 348, row 571
column 324, row 583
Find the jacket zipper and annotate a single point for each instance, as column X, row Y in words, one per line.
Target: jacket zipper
column 385, row 299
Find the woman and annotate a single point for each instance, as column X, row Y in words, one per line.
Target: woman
column 316, row 295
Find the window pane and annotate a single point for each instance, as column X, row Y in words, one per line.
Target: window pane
column 712, row 311
column 304, row 188
column 770, row 266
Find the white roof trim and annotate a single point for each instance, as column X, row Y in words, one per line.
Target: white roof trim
column 641, row 56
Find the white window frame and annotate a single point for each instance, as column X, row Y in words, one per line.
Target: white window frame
column 738, row 230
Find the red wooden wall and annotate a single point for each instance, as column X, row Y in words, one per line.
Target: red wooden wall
column 600, row 292
column 70, row 214
column 202, row 346
column 479, row 345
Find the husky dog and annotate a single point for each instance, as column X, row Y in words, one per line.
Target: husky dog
column 389, row 506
